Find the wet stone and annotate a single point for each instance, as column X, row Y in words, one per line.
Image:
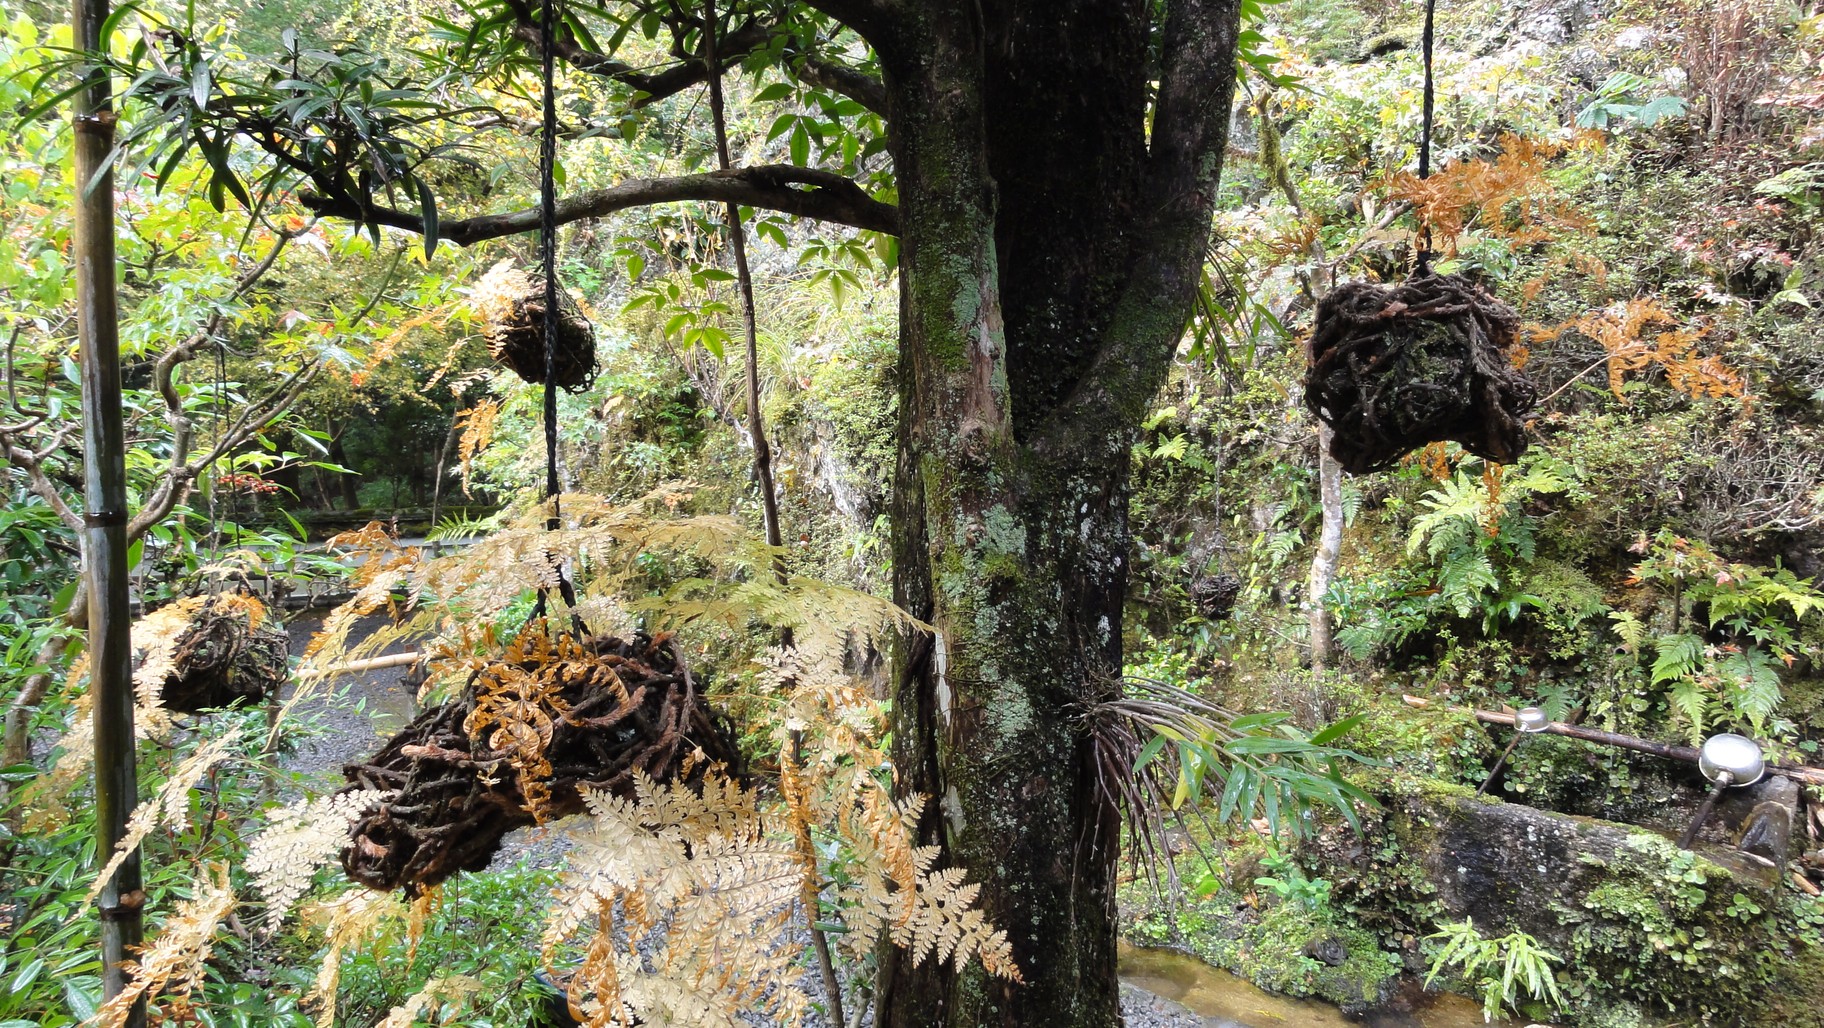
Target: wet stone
column 1328, row 950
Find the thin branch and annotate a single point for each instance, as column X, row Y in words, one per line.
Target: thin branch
column 32, row 463
column 530, row 127
column 853, row 83
column 651, row 86
column 773, row 187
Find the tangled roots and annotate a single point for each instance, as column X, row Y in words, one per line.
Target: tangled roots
column 231, row 651
column 1394, row 367
column 512, row 308
column 518, row 748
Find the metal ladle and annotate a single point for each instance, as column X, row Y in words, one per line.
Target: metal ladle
column 1529, row 721
column 1728, row 760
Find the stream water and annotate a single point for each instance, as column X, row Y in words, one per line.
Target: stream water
column 1225, row 1000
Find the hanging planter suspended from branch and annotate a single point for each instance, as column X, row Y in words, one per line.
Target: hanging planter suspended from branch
column 1430, row 359
column 1394, row 367
column 512, row 309
column 531, row 732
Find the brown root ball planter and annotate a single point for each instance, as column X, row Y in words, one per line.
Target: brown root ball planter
column 511, row 305
column 1395, row 367
column 519, row 747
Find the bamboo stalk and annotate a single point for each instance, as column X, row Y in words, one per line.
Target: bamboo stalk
column 1687, row 754
column 105, row 494
column 355, row 667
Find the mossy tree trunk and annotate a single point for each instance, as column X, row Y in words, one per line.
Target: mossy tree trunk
column 1049, row 253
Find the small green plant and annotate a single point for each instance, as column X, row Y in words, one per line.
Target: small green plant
column 1743, row 908
column 1498, row 967
column 1618, row 102
column 1735, row 628
column 1290, row 883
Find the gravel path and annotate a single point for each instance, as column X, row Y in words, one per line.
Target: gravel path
column 347, row 720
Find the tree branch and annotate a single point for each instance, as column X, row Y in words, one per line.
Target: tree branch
column 772, row 187
column 879, row 22
column 32, row 463
column 1190, row 133
column 857, row 85
column 652, row 86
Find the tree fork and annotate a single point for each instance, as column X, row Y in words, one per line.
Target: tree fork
column 105, row 521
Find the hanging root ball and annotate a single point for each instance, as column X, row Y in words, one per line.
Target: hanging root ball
column 231, row 651
column 511, row 304
column 1394, row 367
column 519, row 746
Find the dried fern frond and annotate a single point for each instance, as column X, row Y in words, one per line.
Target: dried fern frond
column 1641, row 333
column 298, row 840
column 599, row 549
column 349, row 918
column 710, row 869
column 897, row 892
column 174, row 962
column 446, row 989
column 477, row 424
column 156, row 639
column 170, row 805
column 1508, row 196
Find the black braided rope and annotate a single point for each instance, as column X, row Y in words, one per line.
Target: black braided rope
column 1426, row 41
column 547, row 245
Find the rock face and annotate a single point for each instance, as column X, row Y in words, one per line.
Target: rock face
column 1643, row 922
column 1536, row 870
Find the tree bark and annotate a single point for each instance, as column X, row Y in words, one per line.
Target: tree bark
column 1047, row 261
column 1329, row 551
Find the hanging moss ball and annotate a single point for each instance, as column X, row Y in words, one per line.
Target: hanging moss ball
column 1395, row 367
column 511, row 304
column 232, row 650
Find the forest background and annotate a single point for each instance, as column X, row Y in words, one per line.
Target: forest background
column 1644, row 182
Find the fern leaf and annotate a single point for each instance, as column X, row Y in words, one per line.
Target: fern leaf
column 169, row 806
column 174, row 962
column 298, row 840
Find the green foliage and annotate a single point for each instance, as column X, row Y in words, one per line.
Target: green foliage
column 1169, row 748
column 1618, row 103
column 50, row 953
column 1733, row 628
column 1497, row 968
column 478, row 928
column 1801, row 186
column 1290, row 883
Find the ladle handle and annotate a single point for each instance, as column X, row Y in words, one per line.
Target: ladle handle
column 1723, row 780
column 1495, row 772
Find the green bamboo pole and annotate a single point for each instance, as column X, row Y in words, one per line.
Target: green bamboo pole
column 105, row 496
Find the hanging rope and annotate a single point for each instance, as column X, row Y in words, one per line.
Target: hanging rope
column 1426, row 41
column 547, row 247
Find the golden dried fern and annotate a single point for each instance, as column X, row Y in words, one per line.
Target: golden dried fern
column 452, row 991
column 169, row 806
column 1509, row 196
column 172, row 965
column 348, row 918
column 702, row 879
column 298, row 840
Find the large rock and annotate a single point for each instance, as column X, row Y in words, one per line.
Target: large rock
column 1638, row 921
